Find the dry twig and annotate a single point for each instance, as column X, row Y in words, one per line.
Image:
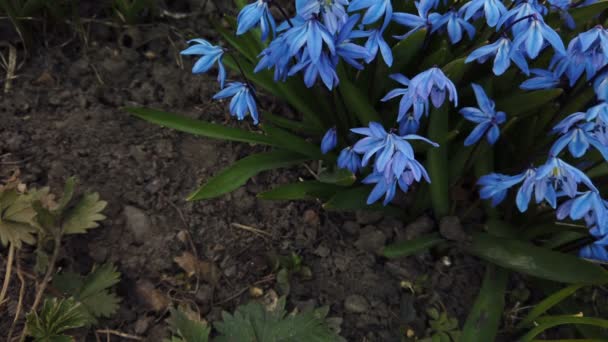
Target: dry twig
column 109, row 332
column 251, row 229
column 8, row 273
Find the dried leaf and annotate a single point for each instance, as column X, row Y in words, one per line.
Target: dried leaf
column 151, row 297
column 205, row 270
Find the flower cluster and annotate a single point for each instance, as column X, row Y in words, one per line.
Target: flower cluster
column 325, row 33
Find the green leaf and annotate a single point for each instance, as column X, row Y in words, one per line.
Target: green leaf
column 437, row 161
column 68, row 193
column 456, row 69
column 293, row 142
column 253, row 322
column 539, row 262
column 524, row 102
column 301, row 190
column 407, row 248
column 17, row 215
column 547, row 304
column 189, row 330
column 356, row 199
column 84, row 215
column 293, row 125
column 342, row 177
column 548, row 322
column 92, row 291
column 584, row 14
column 484, row 319
column 356, row 102
column 197, row 127
column 246, row 44
column 238, row 173
column 55, row 317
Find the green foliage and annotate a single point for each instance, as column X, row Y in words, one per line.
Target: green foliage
column 130, row 11
column 91, row 291
column 254, row 322
column 55, row 317
column 84, row 215
column 17, row 217
column 186, row 329
column 442, row 327
column 411, row 247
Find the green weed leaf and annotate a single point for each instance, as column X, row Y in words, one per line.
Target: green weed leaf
column 547, row 304
column 17, row 225
column 301, row 190
column 187, row 329
column 55, row 317
column 84, row 215
column 238, row 173
column 411, row 247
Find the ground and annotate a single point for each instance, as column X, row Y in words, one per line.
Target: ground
column 63, row 116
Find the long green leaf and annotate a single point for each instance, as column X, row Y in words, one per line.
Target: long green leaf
column 356, row 102
column 539, row 262
column 292, row 142
column 547, row 304
column 523, row 102
column 407, row 248
column 197, row 127
column 238, row 173
column 356, row 199
column 437, row 161
column 548, row 322
column 484, row 319
column 301, row 190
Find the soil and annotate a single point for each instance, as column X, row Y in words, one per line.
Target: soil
column 63, row 117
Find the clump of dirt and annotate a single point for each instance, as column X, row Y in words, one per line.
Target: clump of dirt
column 64, row 117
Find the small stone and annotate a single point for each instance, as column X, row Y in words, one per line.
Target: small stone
column 98, row 252
column 142, row 325
column 138, row 223
column 421, row 226
column 311, row 218
column 371, row 239
column 356, row 304
column 368, row 217
column 322, row 251
column 351, row 227
column 451, row 229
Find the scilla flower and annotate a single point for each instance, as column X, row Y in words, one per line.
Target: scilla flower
column 491, row 9
column 375, row 9
column 532, row 39
column 349, row 159
column 455, row 25
column 503, row 53
column 254, row 14
column 333, row 12
column 243, row 100
column 486, row 117
column 594, row 251
column 330, row 140
column 211, row 54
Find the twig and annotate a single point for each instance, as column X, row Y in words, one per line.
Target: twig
column 11, row 66
column 250, row 229
column 20, row 302
column 119, row 334
column 47, row 276
column 8, row 273
column 266, row 279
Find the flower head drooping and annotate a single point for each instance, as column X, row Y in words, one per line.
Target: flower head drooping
column 375, row 9
column 495, row 186
column 424, row 19
column 330, row 140
column 376, row 43
column 349, row 159
column 486, row 117
column 491, row 9
column 544, row 79
column 532, row 39
column 503, row 53
column 577, row 137
column 256, row 13
column 430, row 85
column 454, row 24
column 594, row 251
column 243, row 100
column 333, row 12
column 211, row 54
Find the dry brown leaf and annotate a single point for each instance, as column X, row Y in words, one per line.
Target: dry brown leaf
column 151, row 297
column 205, row 270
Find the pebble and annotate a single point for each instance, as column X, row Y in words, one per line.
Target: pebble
column 351, row 227
column 371, row 239
column 311, row 218
column 451, row 229
column 421, row 226
column 356, row 304
column 368, row 217
column 322, row 251
column 138, row 223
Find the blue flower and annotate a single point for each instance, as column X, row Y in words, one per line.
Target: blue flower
column 454, row 24
column 309, row 38
column 532, row 39
column 243, row 100
column 594, row 252
column 495, row 186
column 578, row 139
column 563, row 177
column 431, row 83
column 544, row 79
column 276, row 55
column 590, row 203
column 375, row 10
column 211, row 54
column 333, row 12
column 600, row 86
column 492, row 10
column 384, row 145
column 424, row 19
column 254, row 14
column 383, row 187
column 349, row 159
column 542, row 187
column 504, row 53
column 485, row 116
column 375, row 42
column 514, row 18
column 330, row 140
column 349, row 51
column 599, row 113
column 324, row 68
column 409, row 125
column 562, row 7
